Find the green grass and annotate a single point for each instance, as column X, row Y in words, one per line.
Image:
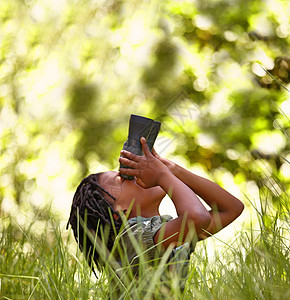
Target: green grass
column 45, row 264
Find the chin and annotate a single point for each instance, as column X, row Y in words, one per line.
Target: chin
column 156, row 193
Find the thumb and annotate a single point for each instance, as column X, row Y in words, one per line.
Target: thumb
column 145, row 147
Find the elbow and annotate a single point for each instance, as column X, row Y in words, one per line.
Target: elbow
column 240, row 208
column 237, row 208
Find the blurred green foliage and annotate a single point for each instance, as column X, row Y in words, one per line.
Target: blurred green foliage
column 72, row 72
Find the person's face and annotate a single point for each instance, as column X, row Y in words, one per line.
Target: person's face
column 146, row 201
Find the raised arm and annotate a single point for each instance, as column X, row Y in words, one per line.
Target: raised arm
column 225, row 208
column 192, row 214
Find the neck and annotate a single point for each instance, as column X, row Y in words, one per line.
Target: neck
column 143, row 212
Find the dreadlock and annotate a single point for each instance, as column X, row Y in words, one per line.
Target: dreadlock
column 89, row 203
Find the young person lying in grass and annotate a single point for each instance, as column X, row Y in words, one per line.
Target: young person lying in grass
column 101, row 199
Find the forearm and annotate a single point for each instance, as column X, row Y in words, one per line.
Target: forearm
column 182, row 196
column 192, row 218
column 225, row 207
column 184, row 199
column 210, row 192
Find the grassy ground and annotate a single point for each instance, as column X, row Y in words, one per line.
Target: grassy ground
column 44, row 264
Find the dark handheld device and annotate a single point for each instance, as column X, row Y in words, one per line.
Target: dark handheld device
column 140, row 127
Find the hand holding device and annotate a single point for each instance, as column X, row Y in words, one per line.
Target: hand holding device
column 147, row 169
column 140, row 127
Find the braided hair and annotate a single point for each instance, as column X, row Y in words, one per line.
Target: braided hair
column 90, row 205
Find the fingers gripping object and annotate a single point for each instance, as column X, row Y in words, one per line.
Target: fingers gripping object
column 140, row 127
